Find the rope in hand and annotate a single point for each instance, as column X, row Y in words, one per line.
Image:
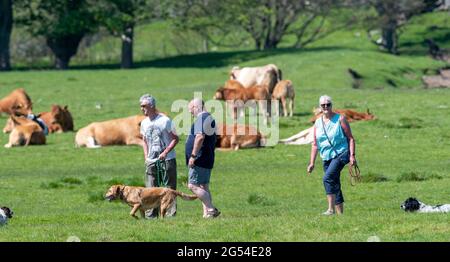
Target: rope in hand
column 355, row 174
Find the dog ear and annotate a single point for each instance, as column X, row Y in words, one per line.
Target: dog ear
column 119, row 189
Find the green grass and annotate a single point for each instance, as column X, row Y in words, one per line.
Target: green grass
column 264, row 194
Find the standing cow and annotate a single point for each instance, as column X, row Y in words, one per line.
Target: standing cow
column 264, row 76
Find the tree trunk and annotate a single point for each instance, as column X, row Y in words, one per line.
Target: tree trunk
column 390, row 38
column 6, row 19
column 127, row 47
column 64, row 48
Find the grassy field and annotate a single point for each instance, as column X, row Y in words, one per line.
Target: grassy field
column 265, row 194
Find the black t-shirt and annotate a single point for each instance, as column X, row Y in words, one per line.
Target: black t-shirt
column 204, row 124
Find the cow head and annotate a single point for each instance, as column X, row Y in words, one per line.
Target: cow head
column 62, row 117
column 219, row 94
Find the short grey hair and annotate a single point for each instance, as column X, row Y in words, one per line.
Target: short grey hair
column 325, row 97
column 147, row 99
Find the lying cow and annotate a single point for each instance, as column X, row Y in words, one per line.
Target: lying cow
column 304, row 137
column 236, row 136
column 121, row 131
column 233, row 96
column 284, row 91
column 10, row 123
column 25, row 132
column 267, row 75
column 17, row 102
column 349, row 114
column 59, row 119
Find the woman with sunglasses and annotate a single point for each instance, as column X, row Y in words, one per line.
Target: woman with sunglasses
column 334, row 140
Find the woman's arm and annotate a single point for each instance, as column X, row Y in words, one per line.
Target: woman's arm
column 312, row 158
column 351, row 141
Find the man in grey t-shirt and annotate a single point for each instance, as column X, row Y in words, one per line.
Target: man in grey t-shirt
column 160, row 139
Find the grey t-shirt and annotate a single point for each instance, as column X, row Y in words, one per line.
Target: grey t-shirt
column 156, row 133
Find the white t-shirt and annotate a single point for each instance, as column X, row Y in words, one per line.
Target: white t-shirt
column 156, row 133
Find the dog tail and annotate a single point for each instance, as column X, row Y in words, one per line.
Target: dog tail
column 185, row 196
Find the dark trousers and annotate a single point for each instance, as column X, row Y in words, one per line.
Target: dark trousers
column 171, row 179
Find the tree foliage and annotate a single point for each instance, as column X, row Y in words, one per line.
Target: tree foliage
column 62, row 22
column 120, row 17
column 6, row 21
column 265, row 21
column 390, row 16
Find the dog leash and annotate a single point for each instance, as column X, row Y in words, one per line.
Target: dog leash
column 355, row 174
column 161, row 178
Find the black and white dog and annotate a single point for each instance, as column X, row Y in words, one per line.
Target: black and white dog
column 413, row 205
column 5, row 214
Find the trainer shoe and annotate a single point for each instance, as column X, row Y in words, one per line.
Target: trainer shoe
column 328, row 213
column 213, row 214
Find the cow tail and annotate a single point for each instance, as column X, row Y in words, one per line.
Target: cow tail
column 280, row 75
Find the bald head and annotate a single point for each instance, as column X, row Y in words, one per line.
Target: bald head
column 196, row 106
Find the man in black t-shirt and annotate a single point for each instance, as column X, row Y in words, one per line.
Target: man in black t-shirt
column 200, row 146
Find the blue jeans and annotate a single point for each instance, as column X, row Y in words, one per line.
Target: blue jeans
column 332, row 177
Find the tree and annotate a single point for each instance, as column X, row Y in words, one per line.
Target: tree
column 6, row 20
column 390, row 16
column 63, row 23
column 120, row 17
column 266, row 21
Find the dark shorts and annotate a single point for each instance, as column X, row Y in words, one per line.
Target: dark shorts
column 199, row 175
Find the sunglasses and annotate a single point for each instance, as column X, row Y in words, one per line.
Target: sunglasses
column 327, row 105
column 142, row 106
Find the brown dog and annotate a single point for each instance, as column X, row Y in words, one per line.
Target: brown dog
column 142, row 198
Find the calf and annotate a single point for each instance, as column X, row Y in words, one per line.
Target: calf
column 59, row 119
column 25, row 132
column 17, row 102
column 240, row 94
column 284, row 91
column 236, row 136
column 122, row 131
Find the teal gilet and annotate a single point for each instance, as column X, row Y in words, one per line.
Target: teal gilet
column 335, row 134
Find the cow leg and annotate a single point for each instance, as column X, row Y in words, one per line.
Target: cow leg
column 291, row 107
column 263, row 110
column 249, row 143
column 283, row 102
column 91, row 143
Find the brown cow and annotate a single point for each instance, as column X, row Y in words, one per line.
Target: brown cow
column 17, row 102
column 25, row 132
column 239, row 93
column 283, row 91
column 59, row 119
column 267, row 75
column 236, row 136
column 121, row 131
column 349, row 114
